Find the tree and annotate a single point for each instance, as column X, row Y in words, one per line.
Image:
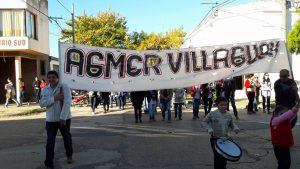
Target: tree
column 134, row 39
column 170, row 40
column 106, row 29
column 293, row 39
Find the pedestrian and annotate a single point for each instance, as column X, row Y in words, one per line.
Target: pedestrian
column 219, row 87
column 56, row 97
column 281, row 134
column 206, row 97
column 152, row 105
column 179, row 101
column 10, row 93
column 43, row 84
column 196, row 94
column 23, row 96
column 229, row 88
column 286, row 91
column 94, row 101
column 121, row 100
column 105, row 101
column 36, row 88
column 165, row 99
column 257, row 86
column 250, row 91
column 137, row 99
column 218, row 123
column 266, row 88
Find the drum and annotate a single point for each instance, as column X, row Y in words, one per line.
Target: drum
column 228, row 149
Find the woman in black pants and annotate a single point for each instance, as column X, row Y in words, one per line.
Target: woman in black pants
column 137, row 99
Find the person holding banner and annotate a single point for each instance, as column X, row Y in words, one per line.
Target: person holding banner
column 286, row 92
column 165, row 102
column 179, row 102
column 229, row 87
column 137, row 99
column 56, row 97
column 105, row 101
column 196, row 94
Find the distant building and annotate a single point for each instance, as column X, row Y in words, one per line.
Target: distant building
column 54, row 63
column 255, row 21
column 24, row 42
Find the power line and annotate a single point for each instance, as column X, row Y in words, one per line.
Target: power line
column 35, row 8
column 64, row 6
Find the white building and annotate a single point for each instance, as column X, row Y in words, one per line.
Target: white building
column 24, row 42
column 256, row 21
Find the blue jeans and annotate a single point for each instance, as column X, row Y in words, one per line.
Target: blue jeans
column 13, row 99
column 165, row 105
column 178, row 110
column 196, row 105
column 121, row 101
column 37, row 95
column 52, row 128
column 152, row 110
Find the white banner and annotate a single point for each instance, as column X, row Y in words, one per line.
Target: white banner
column 104, row 69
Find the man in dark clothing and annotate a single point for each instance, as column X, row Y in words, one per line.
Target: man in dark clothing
column 286, row 92
column 36, row 88
column 205, row 93
column 105, row 101
column 229, row 87
column 137, row 99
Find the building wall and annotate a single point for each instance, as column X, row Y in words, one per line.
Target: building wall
column 41, row 44
column 255, row 21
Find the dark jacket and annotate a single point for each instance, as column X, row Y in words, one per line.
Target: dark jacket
column 137, row 98
column 229, row 87
column 285, row 95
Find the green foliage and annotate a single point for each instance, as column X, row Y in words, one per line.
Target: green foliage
column 107, row 29
column 170, row 40
column 134, row 39
column 293, row 39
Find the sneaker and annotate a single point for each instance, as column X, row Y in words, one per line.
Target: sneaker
column 136, row 121
column 141, row 121
column 237, row 117
column 70, row 160
column 180, row 118
column 93, row 113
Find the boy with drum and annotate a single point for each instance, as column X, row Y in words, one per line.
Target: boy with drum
column 281, row 134
column 218, row 123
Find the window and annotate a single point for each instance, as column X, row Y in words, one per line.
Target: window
column 43, row 68
column 17, row 23
column 30, row 25
column 12, row 23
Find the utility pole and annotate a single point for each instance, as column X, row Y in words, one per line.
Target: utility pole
column 283, row 21
column 73, row 25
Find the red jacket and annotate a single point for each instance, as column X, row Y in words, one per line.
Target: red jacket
column 193, row 90
column 282, row 134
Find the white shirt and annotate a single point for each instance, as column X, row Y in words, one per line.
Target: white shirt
column 55, row 112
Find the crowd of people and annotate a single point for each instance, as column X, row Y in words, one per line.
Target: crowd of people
column 57, row 98
column 37, row 87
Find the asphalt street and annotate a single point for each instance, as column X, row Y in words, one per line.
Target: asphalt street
column 114, row 141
